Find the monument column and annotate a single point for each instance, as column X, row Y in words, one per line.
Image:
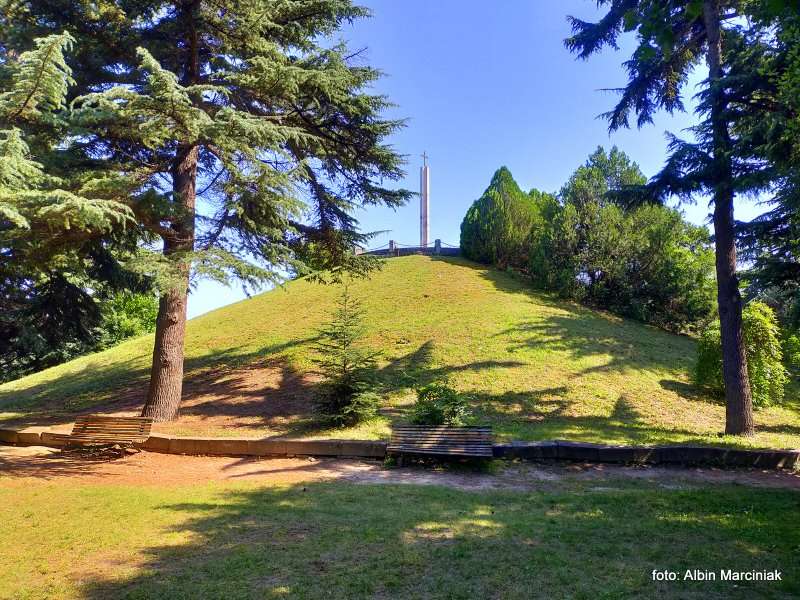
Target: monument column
column 424, row 189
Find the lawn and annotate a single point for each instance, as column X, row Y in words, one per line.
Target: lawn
column 535, row 366
column 223, row 540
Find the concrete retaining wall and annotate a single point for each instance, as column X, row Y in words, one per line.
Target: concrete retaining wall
column 265, row 447
column 690, row 455
column 220, row 446
column 554, row 450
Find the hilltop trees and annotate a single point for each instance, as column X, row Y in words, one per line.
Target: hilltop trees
column 242, row 142
column 605, row 249
column 577, row 253
column 596, row 244
column 496, row 227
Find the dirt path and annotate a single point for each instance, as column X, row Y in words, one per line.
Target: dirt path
column 19, row 466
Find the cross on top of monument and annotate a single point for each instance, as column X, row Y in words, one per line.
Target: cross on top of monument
column 424, row 158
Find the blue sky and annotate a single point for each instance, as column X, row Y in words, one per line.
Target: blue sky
column 484, row 85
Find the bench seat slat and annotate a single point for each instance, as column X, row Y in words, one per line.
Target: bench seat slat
column 451, row 433
column 440, row 437
column 443, row 452
column 104, row 437
column 444, row 433
column 444, row 448
column 438, row 444
column 454, row 448
column 422, row 430
column 103, row 430
column 446, row 439
column 441, row 441
column 111, row 423
column 106, row 428
column 109, row 428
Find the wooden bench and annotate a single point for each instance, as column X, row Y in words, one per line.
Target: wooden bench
column 443, row 441
column 101, row 430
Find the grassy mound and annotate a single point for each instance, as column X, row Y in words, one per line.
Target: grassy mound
column 536, row 367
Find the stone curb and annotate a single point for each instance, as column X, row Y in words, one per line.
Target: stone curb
column 686, row 455
column 220, row 446
column 264, row 447
column 557, row 449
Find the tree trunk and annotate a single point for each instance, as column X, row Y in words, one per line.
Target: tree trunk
column 166, row 375
column 738, row 401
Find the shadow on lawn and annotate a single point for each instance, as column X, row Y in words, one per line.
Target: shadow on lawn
column 690, row 391
column 119, row 386
column 347, row 541
column 414, row 369
column 234, row 389
column 624, row 346
column 547, row 415
column 584, row 333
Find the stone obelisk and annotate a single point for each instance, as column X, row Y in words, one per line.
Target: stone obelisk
column 424, row 202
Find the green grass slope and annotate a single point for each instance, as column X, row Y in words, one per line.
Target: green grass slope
column 536, row 367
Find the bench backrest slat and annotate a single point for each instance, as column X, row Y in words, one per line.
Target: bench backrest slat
column 443, row 440
column 105, row 429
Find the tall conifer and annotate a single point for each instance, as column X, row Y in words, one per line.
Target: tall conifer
column 56, row 226
column 251, row 137
column 673, row 37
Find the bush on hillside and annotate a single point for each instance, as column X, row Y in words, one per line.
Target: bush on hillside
column 791, row 352
column 764, row 356
column 646, row 264
column 346, row 366
column 440, row 404
column 669, row 277
column 708, row 366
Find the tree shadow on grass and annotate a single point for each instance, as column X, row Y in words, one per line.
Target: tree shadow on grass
column 548, row 415
column 411, row 370
column 690, row 391
column 121, row 386
column 358, row 541
column 419, row 368
column 259, row 392
column 585, row 335
column 783, row 429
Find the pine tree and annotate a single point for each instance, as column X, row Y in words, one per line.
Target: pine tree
column 250, row 137
column 34, row 203
column 765, row 92
column 51, row 223
column 496, row 228
column 674, row 36
column 345, row 365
